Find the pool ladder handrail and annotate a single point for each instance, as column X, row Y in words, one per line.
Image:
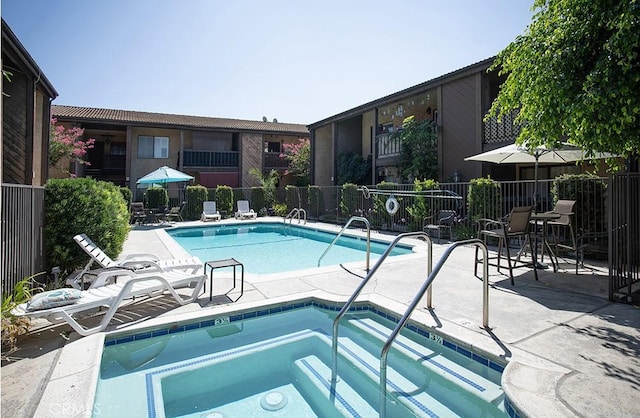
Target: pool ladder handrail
column 363, row 283
column 295, row 212
column 353, row 218
column 427, row 285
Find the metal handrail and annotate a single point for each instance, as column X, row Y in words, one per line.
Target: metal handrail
column 353, row 218
column 296, row 212
column 426, row 285
column 347, row 305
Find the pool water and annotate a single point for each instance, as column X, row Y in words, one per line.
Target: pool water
column 277, row 362
column 271, row 248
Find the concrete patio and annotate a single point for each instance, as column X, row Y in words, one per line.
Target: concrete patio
column 571, row 352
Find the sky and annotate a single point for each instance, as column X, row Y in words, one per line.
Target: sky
column 295, row 61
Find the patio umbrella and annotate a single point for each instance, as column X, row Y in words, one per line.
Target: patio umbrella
column 520, row 154
column 164, row 175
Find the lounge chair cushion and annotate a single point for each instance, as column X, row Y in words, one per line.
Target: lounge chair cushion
column 53, row 298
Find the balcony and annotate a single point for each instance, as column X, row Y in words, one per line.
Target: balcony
column 387, row 145
column 273, row 161
column 503, row 131
column 195, row 158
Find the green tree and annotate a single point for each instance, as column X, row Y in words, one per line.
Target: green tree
column 299, row 156
column 268, row 183
column 419, row 149
column 574, row 74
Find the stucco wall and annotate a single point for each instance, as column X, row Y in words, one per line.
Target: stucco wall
column 142, row 166
column 323, row 155
column 460, row 118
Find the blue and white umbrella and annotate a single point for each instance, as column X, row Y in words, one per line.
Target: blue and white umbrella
column 164, row 175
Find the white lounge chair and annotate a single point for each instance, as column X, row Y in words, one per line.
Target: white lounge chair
column 209, row 211
column 244, row 212
column 143, row 263
column 112, row 295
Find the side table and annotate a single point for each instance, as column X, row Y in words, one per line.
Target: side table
column 218, row 264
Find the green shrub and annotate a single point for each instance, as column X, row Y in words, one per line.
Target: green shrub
column 349, row 199
column 484, row 199
column 258, row 202
column 589, row 192
column 292, row 200
column 225, row 199
column 127, row 194
column 280, row 209
column 82, row 205
column 195, row 195
column 422, row 205
column 316, row 202
column 156, row 197
column 13, row 326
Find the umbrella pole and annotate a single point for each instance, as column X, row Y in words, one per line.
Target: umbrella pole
column 536, row 195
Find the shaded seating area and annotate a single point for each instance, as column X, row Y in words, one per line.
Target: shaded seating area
column 443, row 221
column 175, row 213
column 515, row 227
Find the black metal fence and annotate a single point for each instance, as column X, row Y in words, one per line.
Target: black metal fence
column 22, row 233
column 624, row 236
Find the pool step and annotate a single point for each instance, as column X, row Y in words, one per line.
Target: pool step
column 360, row 400
column 459, row 374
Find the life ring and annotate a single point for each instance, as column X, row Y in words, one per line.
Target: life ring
column 392, row 205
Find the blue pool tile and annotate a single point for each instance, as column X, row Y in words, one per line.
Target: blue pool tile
column 207, row 323
column 276, row 309
column 192, row 326
column 497, row 367
column 234, row 318
column 143, row 336
column 464, row 352
column 176, row 330
column 480, row 359
column 249, row 315
column 450, row 345
column 159, row 332
column 263, row 312
column 126, row 339
column 109, row 342
column 287, row 308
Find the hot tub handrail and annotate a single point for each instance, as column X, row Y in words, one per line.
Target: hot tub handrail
column 353, row 218
column 347, row 305
column 427, row 285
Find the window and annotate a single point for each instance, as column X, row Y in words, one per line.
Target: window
column 153, row 147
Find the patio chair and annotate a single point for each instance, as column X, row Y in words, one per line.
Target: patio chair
column 141, row 262
column 175, row 213
column 209, row 211
column 138, row 213
column 565, row 209
column 244, row 212
column 436, row 224
column 515, row 226
column 63, row 304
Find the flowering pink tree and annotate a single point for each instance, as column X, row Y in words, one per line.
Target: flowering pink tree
column 299, row 156
column 66, row 145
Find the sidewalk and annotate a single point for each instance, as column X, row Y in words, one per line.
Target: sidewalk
column 572, row 352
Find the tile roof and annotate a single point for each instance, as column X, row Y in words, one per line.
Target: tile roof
column 130, row 117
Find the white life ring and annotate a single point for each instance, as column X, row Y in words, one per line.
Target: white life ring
column 392, row 205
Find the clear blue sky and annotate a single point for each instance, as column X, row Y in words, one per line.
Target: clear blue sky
column 297, row 61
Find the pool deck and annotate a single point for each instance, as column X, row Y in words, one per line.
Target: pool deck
column 571, row 352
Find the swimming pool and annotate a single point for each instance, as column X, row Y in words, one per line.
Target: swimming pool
column 275, row 247
column 276, row 362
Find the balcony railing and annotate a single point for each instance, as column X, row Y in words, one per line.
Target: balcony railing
column 113, row 163
column 194, row 158
column 273, row 161
column 388, row 145
column 504, row 131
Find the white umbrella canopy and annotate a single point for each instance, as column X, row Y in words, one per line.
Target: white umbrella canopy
column 521, row 154
column 164, row 175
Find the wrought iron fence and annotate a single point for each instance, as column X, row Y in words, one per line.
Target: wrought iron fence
column 22, row 233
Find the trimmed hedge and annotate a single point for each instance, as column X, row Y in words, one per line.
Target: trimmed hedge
column 196, row 196
column 82, row 205
column 589, row 191
column 422, row 205
column 484, row 199
column 349, row 199
column 156, row 197
column 258, row 200
column 316, row 202
column 224, row 200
